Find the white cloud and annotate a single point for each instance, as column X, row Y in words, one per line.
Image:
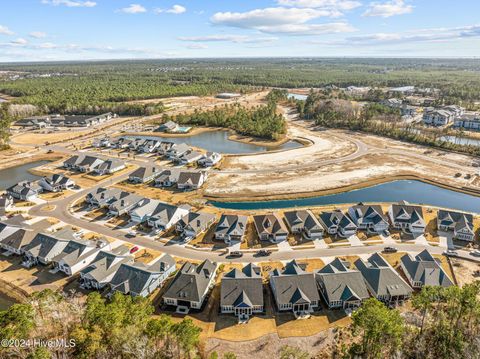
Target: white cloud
column 38, row 34
column 291, row 21
column 19, row 41
column 47, row 45
column 420, row 35
column 227, row 38
column 133, row 9
column 388, row 9
column 70, row 3
column 322, row 4
column 175, row 9
column 5, row 30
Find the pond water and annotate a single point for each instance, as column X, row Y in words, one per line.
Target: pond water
column 297, row 96
column 461, row 140
column 5, row 302
column 217, row 141
column 12, row 175
column 411, row 191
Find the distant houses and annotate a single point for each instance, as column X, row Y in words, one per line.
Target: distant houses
column 469, row 122
column 56, row 183
column 144, row 174
column 442, row 116
column 64, row 121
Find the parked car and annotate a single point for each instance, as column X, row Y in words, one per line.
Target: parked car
column 235, row 254
column 131, row 234
column 134, row 249
column 390, row 250
column 263, row 253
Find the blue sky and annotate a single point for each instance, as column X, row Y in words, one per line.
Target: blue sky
column 40, row 30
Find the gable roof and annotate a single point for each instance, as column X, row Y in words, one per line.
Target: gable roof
column 381, row 277
column 293, row 284
column 269, row 224
column 341, row 283
column 191, row 281
column 304, row 219
column 366, row 214
column 242, row 288
column 196, row 221
column 232, row 224
column 459, row 220
column 425, row 269
column 336, row 218
column 406, row 213
column 15, row 237
column 107, row 263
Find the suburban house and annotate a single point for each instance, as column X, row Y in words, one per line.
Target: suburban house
column 194, row 223
column 87, row 164
column 138, row 279
column 25, row 190
column 56, row 183
column 123, row 202
column 340, row 286
column 168, row 126
column 383, row 281
column 157, row 214
column 191, row 180
column 369, row 218
column 210, row 159
column 76, row 255
column 164, row 147
column 337, row 223
column 423, row 270
column 44, row 247
column 149, row 146
column 177, row 150
column 104, row 266
column 6, row 201
column 241, row 292
column 270, row 227
column 294, row 289
column 189, row 157
column 133, row 145
column 461, row 224
column 190, row 286
column 469, row 121
column 436, row 117
column 168, row 177
column 13, row 239
column 231, row 228
column 407, row 218
column 143, row 174
column 71, row 162
column 303, row 222
column 103, row 197
column 109, row 167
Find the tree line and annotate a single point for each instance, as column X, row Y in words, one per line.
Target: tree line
column 261, row 121
column 377, row 119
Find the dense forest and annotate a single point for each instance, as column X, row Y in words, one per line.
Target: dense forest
column 261, row 121
column 93, row 87
column 441, row 323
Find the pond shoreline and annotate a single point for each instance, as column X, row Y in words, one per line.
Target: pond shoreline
column 336, row 190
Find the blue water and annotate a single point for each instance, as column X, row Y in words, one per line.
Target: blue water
column 461, row 140
column 296, row 96
column 217, row 141
column 410, row 191
column 12, row 175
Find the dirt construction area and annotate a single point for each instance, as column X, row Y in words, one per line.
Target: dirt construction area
column 336, row 161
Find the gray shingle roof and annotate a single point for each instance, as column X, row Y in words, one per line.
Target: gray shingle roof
column 231, row 224
column 366, row 214
column 293, row 283
column 457, row 219
column 425, row 269
column 304, row 219
column 242, row 288
column 269, row 224
column 103, row 264
column 196, row 221
column 336, row 218
column 191, row 281
column 15, row 237
column 381, row 277
column 405, row 213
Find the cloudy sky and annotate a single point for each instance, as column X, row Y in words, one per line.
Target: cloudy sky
column 38, row 30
